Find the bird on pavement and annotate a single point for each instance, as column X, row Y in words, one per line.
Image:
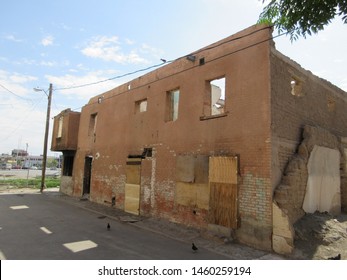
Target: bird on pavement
column 194, row 248
column 338, row 257
column 108, row 226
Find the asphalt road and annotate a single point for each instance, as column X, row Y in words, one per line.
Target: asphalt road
column 39, row 227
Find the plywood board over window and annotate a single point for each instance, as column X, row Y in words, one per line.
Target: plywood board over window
column 192, row 181
column 223, row 208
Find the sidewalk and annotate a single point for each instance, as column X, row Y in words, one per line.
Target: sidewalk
column 201, row 238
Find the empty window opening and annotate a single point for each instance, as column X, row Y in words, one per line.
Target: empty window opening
column 172, row 101
column 141, row 106
column 216, row 96
column 296, row 87
column 60, row 127
column 92, row 126
column 68, row 165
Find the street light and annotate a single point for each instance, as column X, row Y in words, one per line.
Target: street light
column 44, row 160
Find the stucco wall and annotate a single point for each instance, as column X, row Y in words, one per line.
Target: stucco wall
column 69, row 131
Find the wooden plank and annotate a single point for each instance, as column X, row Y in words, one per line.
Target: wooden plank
column 223, row 204
column 223, row 170
column 193, row 195
column 132, row 198
column 133, row 174
column 132, row 187
column 185, row 168
column 223, row 208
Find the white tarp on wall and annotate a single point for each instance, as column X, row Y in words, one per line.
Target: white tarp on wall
column 323, row 184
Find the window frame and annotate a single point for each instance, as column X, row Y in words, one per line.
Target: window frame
column 172, row 104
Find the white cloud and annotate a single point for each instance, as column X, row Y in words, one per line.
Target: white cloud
column 15, row 83
column 47, row 41
column 22, row 112
column 82, row 94
column 147, row 49
column 129, row 41
column 109, row 49
column 19, row 78
column 13, row 38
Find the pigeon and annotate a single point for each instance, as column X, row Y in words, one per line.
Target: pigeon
column 163, row 60
column 338, row 257
column 194, row 248
column 108, row 226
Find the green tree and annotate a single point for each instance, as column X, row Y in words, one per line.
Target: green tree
column 302, row 17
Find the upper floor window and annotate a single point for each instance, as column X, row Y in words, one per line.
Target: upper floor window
column 92, row 126
column 172, row 102
column 60, row 127
column 214, row 99
column 141, row 106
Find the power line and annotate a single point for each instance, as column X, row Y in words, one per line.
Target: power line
column 169, row 61
column 24, row 119
column 114, row 78
column 16, row 95
column 194, row 66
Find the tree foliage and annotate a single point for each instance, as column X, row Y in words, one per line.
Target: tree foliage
column 302, row 17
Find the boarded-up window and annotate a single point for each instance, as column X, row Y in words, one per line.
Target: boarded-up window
column 192, row 181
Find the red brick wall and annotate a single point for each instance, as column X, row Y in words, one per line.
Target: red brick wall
column 244, row 130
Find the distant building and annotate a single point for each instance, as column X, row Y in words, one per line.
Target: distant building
column 33, row 161
column 235, row 137
column 19, row 153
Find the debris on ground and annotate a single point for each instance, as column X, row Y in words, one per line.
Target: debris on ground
column 321, row 236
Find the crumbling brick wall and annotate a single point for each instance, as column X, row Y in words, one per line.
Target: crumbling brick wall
column 305, row 111
column 315, row 102
column 289, row 195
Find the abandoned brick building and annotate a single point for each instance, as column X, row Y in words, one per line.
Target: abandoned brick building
column 234, row 137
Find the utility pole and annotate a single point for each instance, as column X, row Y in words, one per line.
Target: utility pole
column 44, row 160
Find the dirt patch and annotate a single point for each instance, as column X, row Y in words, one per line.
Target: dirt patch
column 321, row 236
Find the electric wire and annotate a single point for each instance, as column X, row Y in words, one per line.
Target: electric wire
column 32, row 109
column 194, row 66
column 172, row 60
column 16, row 95
column 167, row 62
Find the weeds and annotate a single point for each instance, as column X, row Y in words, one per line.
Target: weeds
column 31, row 183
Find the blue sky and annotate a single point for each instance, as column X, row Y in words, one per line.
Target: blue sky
column 75, row 42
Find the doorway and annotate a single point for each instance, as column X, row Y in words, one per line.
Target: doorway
column 223, row 208
column 87, row 175
column 132, row 186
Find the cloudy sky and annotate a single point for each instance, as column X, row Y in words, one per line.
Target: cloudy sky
column 75, row 42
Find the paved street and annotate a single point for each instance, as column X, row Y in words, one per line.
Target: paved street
column 39, row 226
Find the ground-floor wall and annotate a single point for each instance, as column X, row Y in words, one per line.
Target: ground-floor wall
column 66, row 185
column 201, row 189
